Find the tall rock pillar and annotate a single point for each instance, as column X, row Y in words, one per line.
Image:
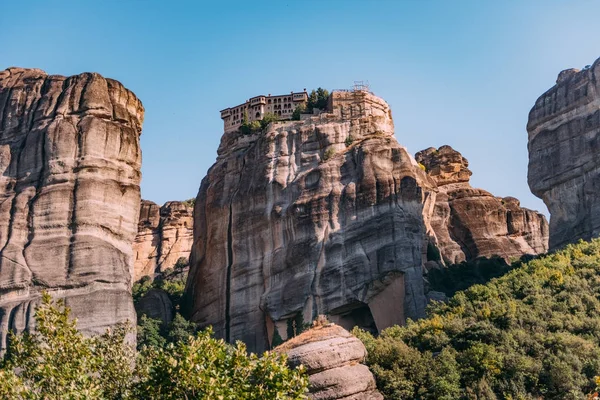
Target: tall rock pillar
column 69, row 196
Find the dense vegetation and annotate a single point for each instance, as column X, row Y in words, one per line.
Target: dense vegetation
column 58, row 362
column 248, row 127
column 152, row 332
column 533, row 333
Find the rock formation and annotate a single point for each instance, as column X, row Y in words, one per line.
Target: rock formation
column 319, row 216
column 165, row 234
column 156, row 305
column 564, row 143
column 470, row 223
column 332, row 357
column 69, row 196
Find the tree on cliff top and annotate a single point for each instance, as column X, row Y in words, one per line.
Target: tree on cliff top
column 317, row 99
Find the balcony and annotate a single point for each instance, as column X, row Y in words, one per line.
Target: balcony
column 258, row 100
column 225, row 113
column 299, row 97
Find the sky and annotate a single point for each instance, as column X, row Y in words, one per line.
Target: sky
column 463, row 73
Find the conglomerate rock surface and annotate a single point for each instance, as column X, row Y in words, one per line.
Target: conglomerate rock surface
column 319, row 216
column 332, row 358
column 69, row 196
column 564, row 144
column 469, row 222
column 165, row 234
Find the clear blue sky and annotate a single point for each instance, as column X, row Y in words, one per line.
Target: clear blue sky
column 463, row 73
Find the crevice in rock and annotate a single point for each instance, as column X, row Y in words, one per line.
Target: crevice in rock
column 73, row 222
column 229, row 265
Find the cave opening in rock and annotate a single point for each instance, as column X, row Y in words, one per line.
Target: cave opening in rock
column 354, row 314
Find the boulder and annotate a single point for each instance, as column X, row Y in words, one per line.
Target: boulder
column 332, row 357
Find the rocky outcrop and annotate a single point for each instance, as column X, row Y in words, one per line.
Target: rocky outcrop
column 69, row 196
column 468, row 223
column 156, row 304
column 320, row 216
column 332, row 357
column 564, row 143
column 165, row 234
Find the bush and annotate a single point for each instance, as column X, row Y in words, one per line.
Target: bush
column 267, row 119
column 58, row 362
column 301, row 109
column 349, row 140
column 207, row 368
column 330, row 152
column 532, row 333
column 181, row 263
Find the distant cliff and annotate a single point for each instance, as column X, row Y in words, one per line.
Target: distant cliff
column 165, row 235
column 69, row 196
column 469, row 222
column 320, row 216
column 564, row 143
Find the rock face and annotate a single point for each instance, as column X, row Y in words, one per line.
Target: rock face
column 332, row 357
column 470, row 223
column 165, row 234
column 564, row 143
column 69, row 196
column 320, row 216
column 156, row 305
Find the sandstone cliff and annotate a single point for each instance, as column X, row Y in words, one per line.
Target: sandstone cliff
column 332, row 357
column 564, row 143
column 69, row 196
column 165, row 234
column 469, row 222
column 320, row 216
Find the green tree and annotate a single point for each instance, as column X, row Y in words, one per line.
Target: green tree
column 267, row 119
column 58, row 362
column 530, row 333
column 207, row 368
column 150, row 332
column 180, row 329
column 317, row 99
column 300, row 109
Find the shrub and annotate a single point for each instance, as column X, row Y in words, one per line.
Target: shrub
column 301, row 109
column 349, row 140
column 58, row 362
column 181, row 263
column 207, row 368
column 330, row 152
column 267, row 119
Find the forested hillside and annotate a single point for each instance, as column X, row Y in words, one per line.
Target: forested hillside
column 533, row 333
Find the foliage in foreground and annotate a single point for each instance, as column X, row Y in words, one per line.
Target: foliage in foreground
column 58, row 362
column 534, row 333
